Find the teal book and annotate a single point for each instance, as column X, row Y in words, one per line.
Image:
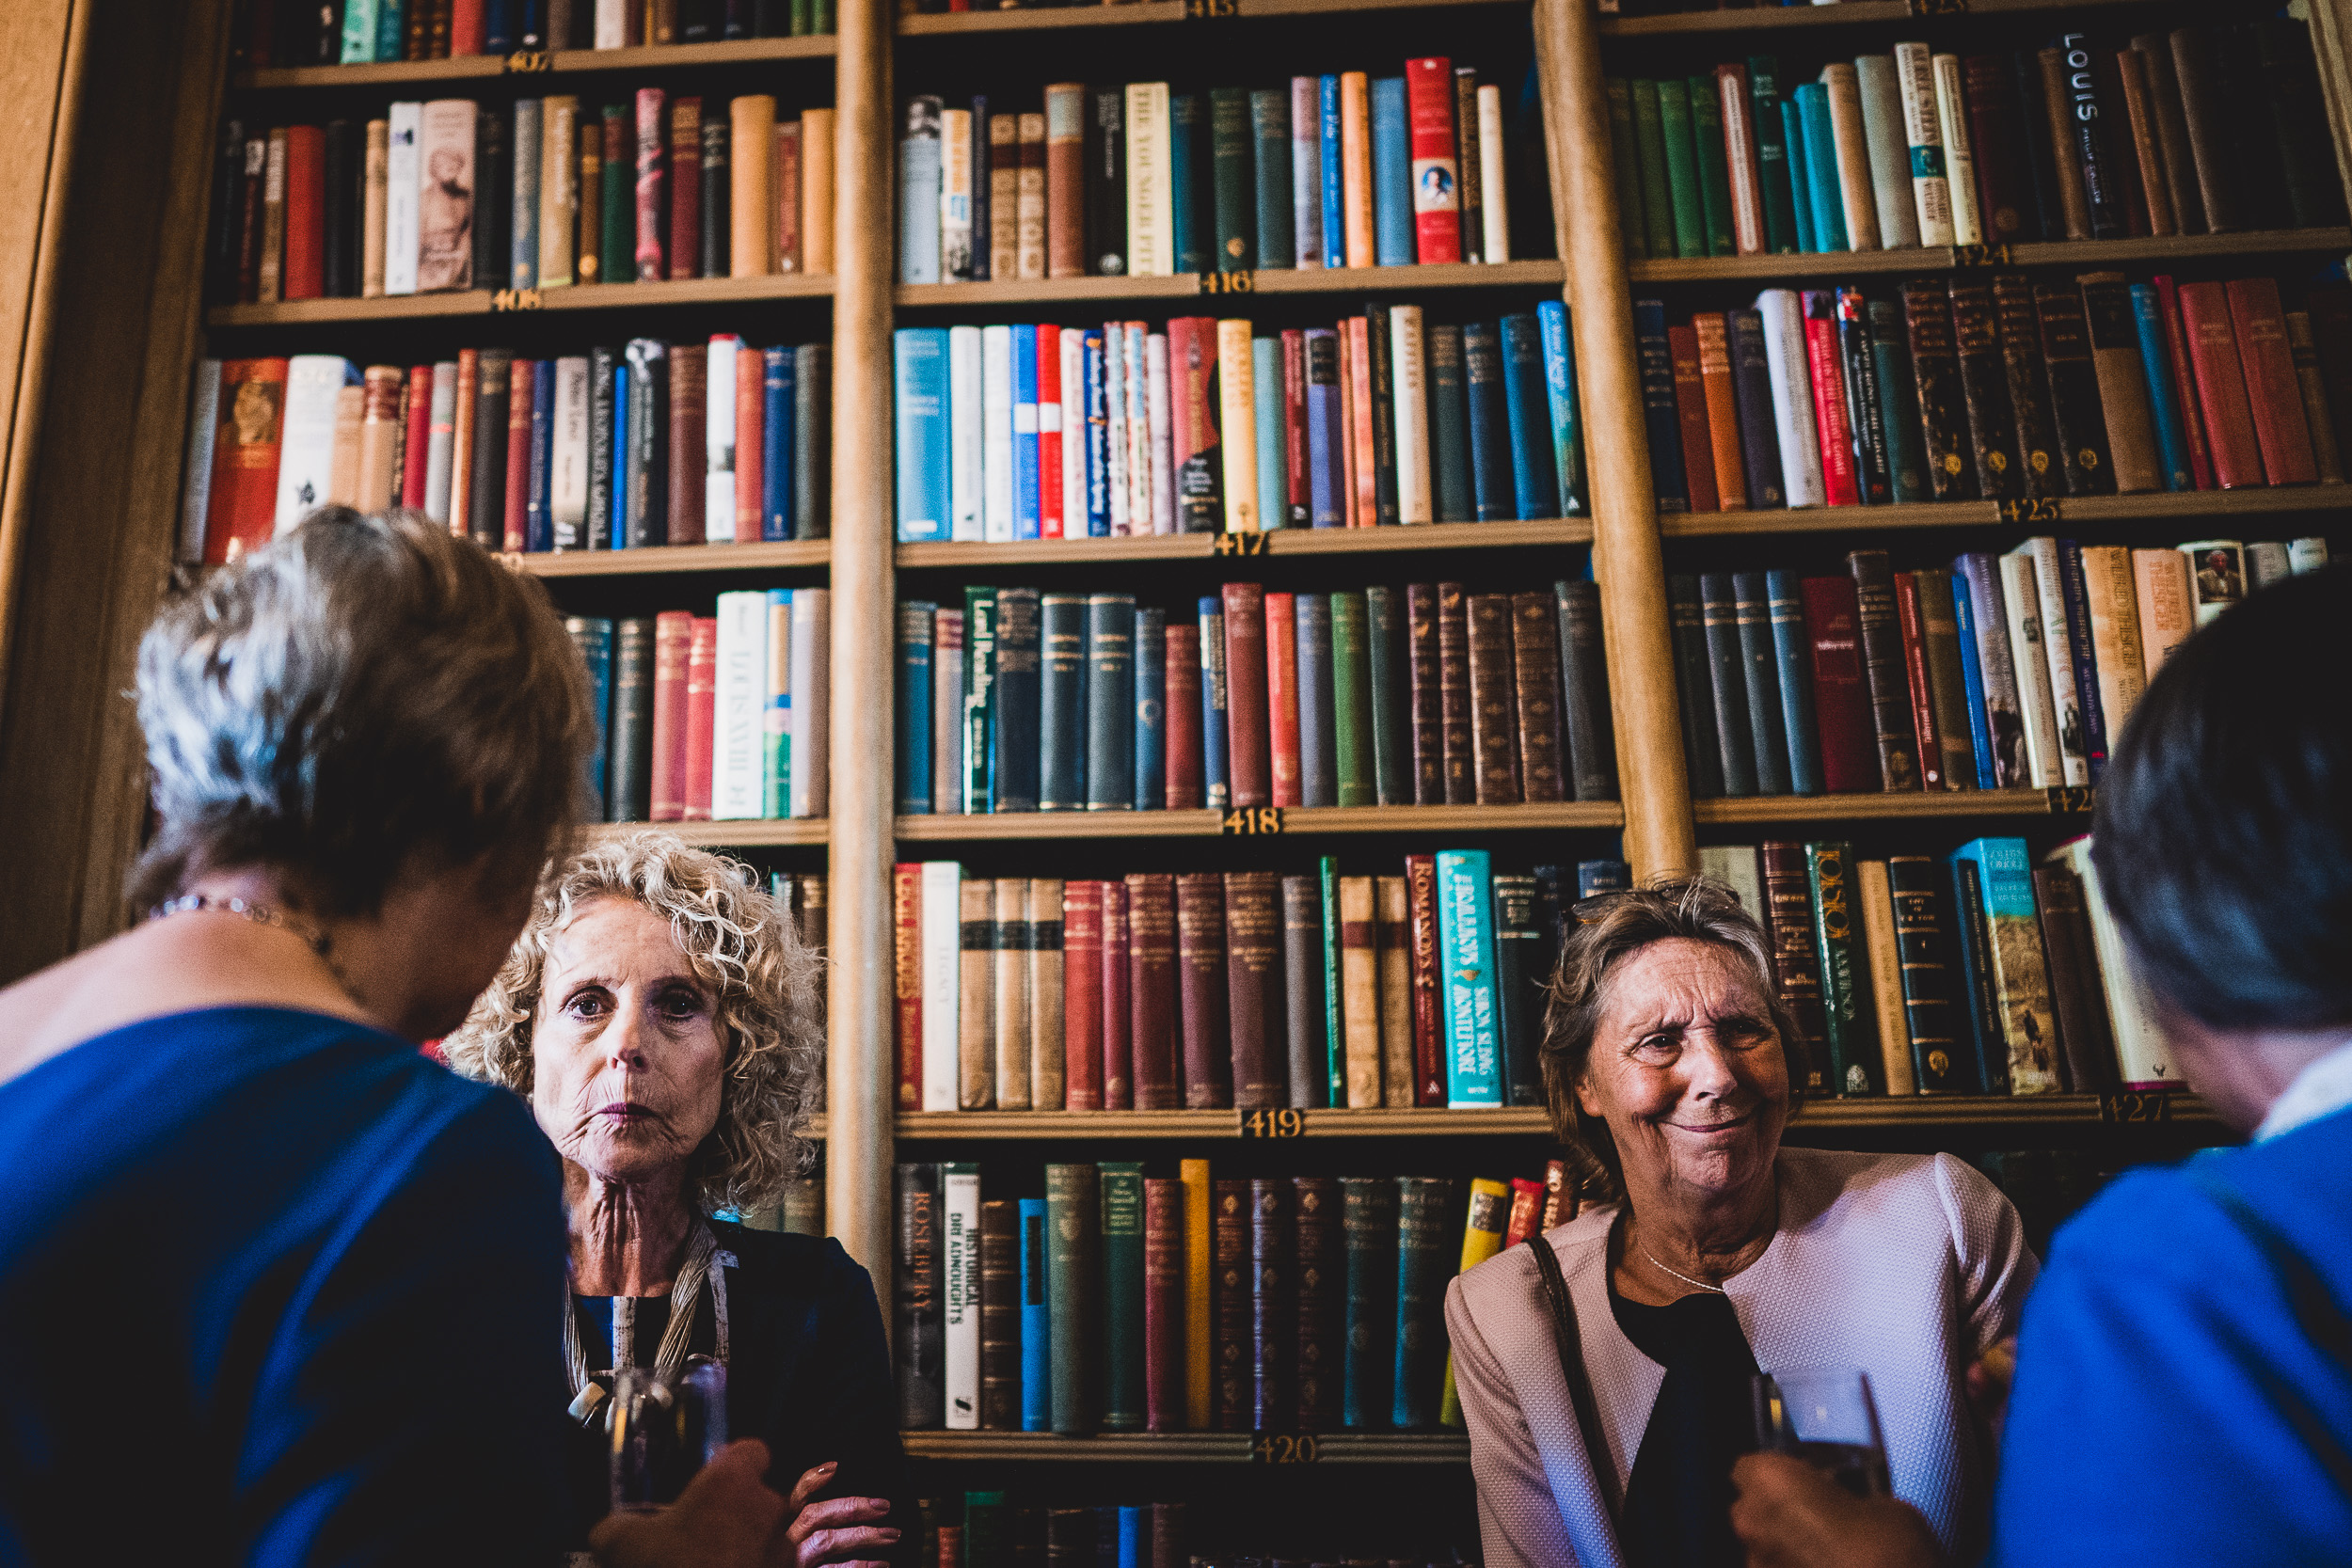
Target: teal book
column 924, row 470
column 1351, row 700
column 1449, row 427
column 2015, row 965
column 980, row 695
column 1568, row 438
column 1820, row 167
column 359, row 47
column 1706, row 133
column 1799, row 177
column 1395, row 240
column 1368, row 1227
column 1270, row 133
column 1899, row 394
column 1232, row 179
column 1650, row 140
column 1773, row 166
column 1857, row 1065
column 1074, row 1287
column 2163, row 399
column 1682, row 168
column 1186, row 120
column 1334, row 1037
column 1466, row 962
column 391, row 18
column 1122, row 1296
column 915, row 620
column 1625, row 160
column 1266, row 392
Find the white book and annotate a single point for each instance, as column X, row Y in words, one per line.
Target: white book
column 942, row 924
column 995, row 433
column 1923, row 134
column 965, row 464
column 1960, row 160
column 1114, row 426
column 2021, row 597
column 1409, row 377
column 959, row 1248
column 1793, row 397
column 1151, row 203
column 2216, row 575
column 1163, row 454
column 1734, row 865
column 2141, row 1053
column 719, row 440
column 947, row 713
column 1493, row 193
column 196, row 482
column 955, row 195
column 1138, row 430
column 613, row 23
column 567, row 474
column 1889, row 153
column 1074, row 442
column 441, row 441
column 2265, row 564
column 738, row 742
column 401, row 175
column 2066, row 706
column 2305, row 555
column 775, row 709
column 1747, row 209
column 306, row 457
column 812, row 697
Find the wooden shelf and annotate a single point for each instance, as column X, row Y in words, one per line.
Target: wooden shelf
column 762, row 833
column 1186, row 285
column 1915, row 260
column 672, row 559
column 1894, row 807
column 2180, row 506
column 1199, row 1448
column 1285, row 541
column 1031, row 826
column 563, row 62
column 1773, row 19
column 477, row 302
column 1148, row 12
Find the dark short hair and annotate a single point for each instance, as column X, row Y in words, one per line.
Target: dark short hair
column 2223, row 836
column 1608, row 931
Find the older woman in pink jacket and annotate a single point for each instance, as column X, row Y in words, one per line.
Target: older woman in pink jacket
column 1606, row 1438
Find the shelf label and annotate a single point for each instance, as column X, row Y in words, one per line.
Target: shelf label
column 530, row 62
column 1198, row 10
column 1251, row 822
column 1978, row 255
column 1283, row 1447
column 2070, row 798
column 1273, row 1124
column 2044, row 508
column 1939, row 8
column 2136, row 1106
column 1238, row 544
column 1227, row 282
column 507, row 301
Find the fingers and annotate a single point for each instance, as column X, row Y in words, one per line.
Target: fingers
column 833, row 1513
column 834, row 1546
column 811, row 1482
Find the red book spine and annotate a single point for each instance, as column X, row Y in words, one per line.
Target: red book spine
column 2221, row 384
column 242, row 511
column 1842, row 691
column 702, row 715
column 518, row 395
column 1698, row 437
column 751, row 441
column 1829, row 402
column 1152, row 990
column 2271, row 388
column 673, row 631
column 1200, row 991
column 686, row 187
column 1916, row 677
column 2184, row 382
column 1436, row 172
column 1527, row 1210
column 1184, row 765
column 418, row 436
column 1420, row 892
column 1246, row 749
column 652, row 183
column 1049, row 428
column 1296, row 491
column 465, row 28
column 1747, row 170
column 906, row 912
column 1118, row 1071
column 1082, row 994
column 1163, row 1304
column 306, row 212
column 1281, row 694
column 1192, row 413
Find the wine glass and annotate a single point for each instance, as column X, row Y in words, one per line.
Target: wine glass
column 665, row 1432
column 1825, row 1416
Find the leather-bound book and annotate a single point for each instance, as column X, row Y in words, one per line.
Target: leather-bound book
column 1073, row 1290
column 2004, row 185
column 1759, row 677
column 653, row 186
column 1590, row 754
column 1519, row 975
column 1939, row 637
column 1151, row 990
column 1013, row 738
column 1010, row 993
column 1796, row 962
column 2327, row 456
column 1420, row 892
column 486, row 508
column 976, row 1014
column 1321, row 1283
column 1694, row 685
column 1201, row 991
column 1359, row 992
column 2170, row 124
column 1722, row 399
column 631, row 746
column 1062, row 716
column 1923, row 714
column 1689, row 409
column 689, row 407
column 1184, row 766
column 2221, row 389
column 1082, row 994
column 1231, row 1286
column 684, row 249
column 1379, row 340
column 522, row 391
column 2134, row 464
column 1110, row 698
column 1368, row 1227
column 1535, row 674
column 1494, row 701
column 1000, row 1314
column 1273, row 1305
column 1751, row 392
column 1899, row 404
column 1123, row 1309
column 1069, row 1538
column 1256, row 1012
column 1425, row 1215
column 1353, row 780
column 1391, row 908
column 645, row 456
column 715, row 237
column 1841, row 692
column 303, row 268
column 1455, row 698
column 1935, row 378
column 338, row 208
column 1163, row 1304
column 1167, row 1536
column 1734, row 742
column 1425, row 698
column 1984, row 392
column 1882, row 668
column 1315, row 695
column 1281, row 697
column 2066, row 155
column 615, row 238
column 2275, row 397
column 2079, row 436
column 673, row 643
column 2019, row 327
column 1105, row 196
column 1388, row 663
column 1304, row 1048
column 2145, row 139
column 1923, row 939
column 1119, row 1069
column 2084, row 1035
column 919, row 1341
column 2207, row 113
column 1248, row 744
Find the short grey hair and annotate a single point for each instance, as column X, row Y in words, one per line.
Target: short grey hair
column 354, row 692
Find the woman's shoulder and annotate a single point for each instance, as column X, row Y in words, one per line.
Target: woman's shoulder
column 803, row 1265
column 1824, row 1188
column 1502, row 1282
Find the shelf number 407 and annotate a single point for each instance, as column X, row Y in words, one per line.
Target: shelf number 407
column 1276, row 1447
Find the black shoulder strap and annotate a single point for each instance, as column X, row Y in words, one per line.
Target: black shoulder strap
column 1564, row 1337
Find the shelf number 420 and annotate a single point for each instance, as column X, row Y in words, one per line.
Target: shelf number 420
column 1276, row 1448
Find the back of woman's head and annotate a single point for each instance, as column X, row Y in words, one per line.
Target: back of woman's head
column 359, row 692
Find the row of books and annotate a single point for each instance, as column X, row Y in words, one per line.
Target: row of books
column 1165, row 1304
column 372, row 32
column 1245, row 989
column 1976, row 972
column 1022, row 701
column 651, row 443
column 455, row 195
column 987, row 1529
column 2002, row 672
column 1342, row 170
column 1020, row 432
column 712, row 717
column 2077, row 141
column 2013, row 390
column 801, row 1211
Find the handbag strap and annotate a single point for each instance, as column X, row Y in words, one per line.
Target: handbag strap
column 1564, row 1340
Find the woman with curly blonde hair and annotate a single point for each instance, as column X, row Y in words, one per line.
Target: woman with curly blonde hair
column 660, row 1014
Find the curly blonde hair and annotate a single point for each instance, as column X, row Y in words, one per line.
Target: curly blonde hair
column 742, row 944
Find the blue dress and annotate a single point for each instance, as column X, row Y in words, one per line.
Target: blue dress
column 274, row 1290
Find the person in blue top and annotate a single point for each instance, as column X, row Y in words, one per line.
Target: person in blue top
column 273, row 1285
column 2184, row 1375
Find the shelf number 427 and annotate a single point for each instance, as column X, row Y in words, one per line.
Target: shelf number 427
column 1278, row 1448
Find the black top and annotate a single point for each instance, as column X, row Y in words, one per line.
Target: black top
column 1678, row 1502
column 808, row 1370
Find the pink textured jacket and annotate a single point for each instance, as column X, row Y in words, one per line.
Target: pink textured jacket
column 1905, row 1266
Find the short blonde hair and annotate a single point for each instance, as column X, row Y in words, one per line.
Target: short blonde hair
column 742, row 944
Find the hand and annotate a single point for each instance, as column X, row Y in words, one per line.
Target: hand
column 1790, row 1515
column 828, row 1533
column 727, row 1517
column 1988, row 1386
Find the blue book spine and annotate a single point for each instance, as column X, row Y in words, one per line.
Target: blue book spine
column 1062, row 703
column 594, row 637
column 1326, row 474
column 1037, row 1322
column 1215, row 791
column 1318, row 738
column 1183, row 150
column 915, row 620
column 1793, row 655
column 523, row 253
column 1593, row 877
column 1111, row 701
column 1393, row 241
column 497, row 25
column 918, row 193
column 1098, row 440
column 1659, row 414
column 1567, row 441
column 1025, row 512
column 1334, row 221
column 1466, row 939
column 391, row 18
column 1524, row 401
column 1800, row 174
column 1820, row 154
column 1971, row 681
column 1151, row 709
column 2171, row 436
column 620, row 455
column 1489, row 423
column 538, row 522
column 780, row 392
column 921, row 374
column 1135, row 1538
column 1265, row 354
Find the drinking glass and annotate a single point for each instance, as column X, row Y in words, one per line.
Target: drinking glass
column 663, row 1432
column 1826, row 1419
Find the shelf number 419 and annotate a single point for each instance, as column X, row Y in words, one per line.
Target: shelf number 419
column 1273, row 1124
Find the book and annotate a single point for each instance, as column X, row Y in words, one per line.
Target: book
column 1371, row 1235
column 1435, row 169
column 1424, row 1213
column 1000, row 1314
column 1073, row 1291
column 1482, row 1238
column 917, row 1337
column 2018, row 977
column 1466, row 932
column 959, row 1243
column 1122, row 1295
column 1855, row 1064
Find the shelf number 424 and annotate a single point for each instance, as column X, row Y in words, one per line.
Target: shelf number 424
column 1278, row 1448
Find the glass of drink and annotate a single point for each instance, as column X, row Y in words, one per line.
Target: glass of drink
column 1826, row 1419
column 663, row 1432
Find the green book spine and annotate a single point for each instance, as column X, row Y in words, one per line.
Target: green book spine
column 1706, row 133
column 1335, row 1061
column 1185, row 121
column 1231, row 178
column 1271, row 128
column 1072, row 1282
column 821, row 18
column 1649, row 138
column 985, row 1543
column 1772, row 155
column 1368, row 1226
column 803, row 18
column 1855, row 1062
column 1425, row 1206
column 618, row 205
column 1906, row 441
column 1392, row 731
column 1625, row 156
column 1448, row 426
column 1351, row 700
column 979, row 694
column 1682, row 168
column 1123, row 1297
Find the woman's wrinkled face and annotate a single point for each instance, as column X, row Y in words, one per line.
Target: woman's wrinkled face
column 1687, row 1071
column 626, row 1048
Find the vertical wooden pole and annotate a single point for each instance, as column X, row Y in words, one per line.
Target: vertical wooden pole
column 861, row 1069
column 2330, row 23
column 1626, row 558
